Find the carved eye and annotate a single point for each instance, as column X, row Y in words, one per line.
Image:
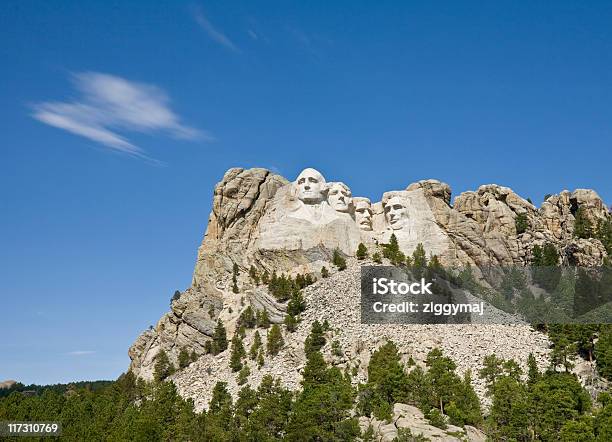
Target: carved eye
column 301, row 181
column 313, row 180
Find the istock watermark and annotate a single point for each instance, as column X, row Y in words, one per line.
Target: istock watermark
column 486, row 295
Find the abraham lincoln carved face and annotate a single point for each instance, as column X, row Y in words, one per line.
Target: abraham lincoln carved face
column 396, row 212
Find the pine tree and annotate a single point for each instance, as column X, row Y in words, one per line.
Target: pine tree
column 253, row 275
column 603, row 352
column 434, row 267
column 163, row 366
column 290, row 322
column 392, row 248
column 275, row 340
column 219, row 338
column 521, row 223
column 491, row 370
column 338, row 260
column 408, row 261
column 583, row 228
column 398, row 259
column 237, row 353
column 442, row 378
column 322, row 385
column 437, row 419
column 604, row 234
column 235, row 288
column 362, row 252
column 377, row 258
column 324, row 272
column 509, row 415
column 537, row 258
column 464, row 406
column 260, row 358
column 208, row 348
column 243, row 375
column 220, row 406
column 255, row 346
column 247, row 318
column 419, row 258
column 337, row 349
column 550, row 256
column 316, row 339
column 387, row 381
column 533, row 374
column 183, row 358
column 296, row 304
column 555, row 399
column 263, row 320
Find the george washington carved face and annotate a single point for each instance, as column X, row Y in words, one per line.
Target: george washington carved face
column 396, row 212
column 339, row 197
column 311, row 186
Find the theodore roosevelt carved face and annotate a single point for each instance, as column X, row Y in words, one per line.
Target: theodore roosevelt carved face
column 311, row 187
column 339, row 197
column 396, row 212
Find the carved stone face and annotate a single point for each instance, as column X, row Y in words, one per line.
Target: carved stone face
column 363, row 213
column 339, row 197
column 396, row 213
column 310, row 186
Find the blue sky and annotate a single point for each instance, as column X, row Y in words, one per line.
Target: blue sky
column 119, row 117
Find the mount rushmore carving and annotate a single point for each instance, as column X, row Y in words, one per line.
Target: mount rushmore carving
column 311, row 212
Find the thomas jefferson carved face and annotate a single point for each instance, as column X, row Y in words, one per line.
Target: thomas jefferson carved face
column 310, row 186
column 363, row 213
column 396, row 212
column 340, row 197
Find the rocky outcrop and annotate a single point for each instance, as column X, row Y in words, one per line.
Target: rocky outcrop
column 7, row 384
column 261, row 219
column 240, row 200
column 412, row 419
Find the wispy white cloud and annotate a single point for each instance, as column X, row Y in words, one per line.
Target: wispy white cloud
column 109, row 105
column 212, row 32
column 309, row 41
column 80, row 353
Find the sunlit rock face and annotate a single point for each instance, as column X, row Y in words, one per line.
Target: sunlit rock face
column 301, row 217
column 363, row 213
column 396, row 212
column 407, row 215
column 310, row 187
column 340, row 198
